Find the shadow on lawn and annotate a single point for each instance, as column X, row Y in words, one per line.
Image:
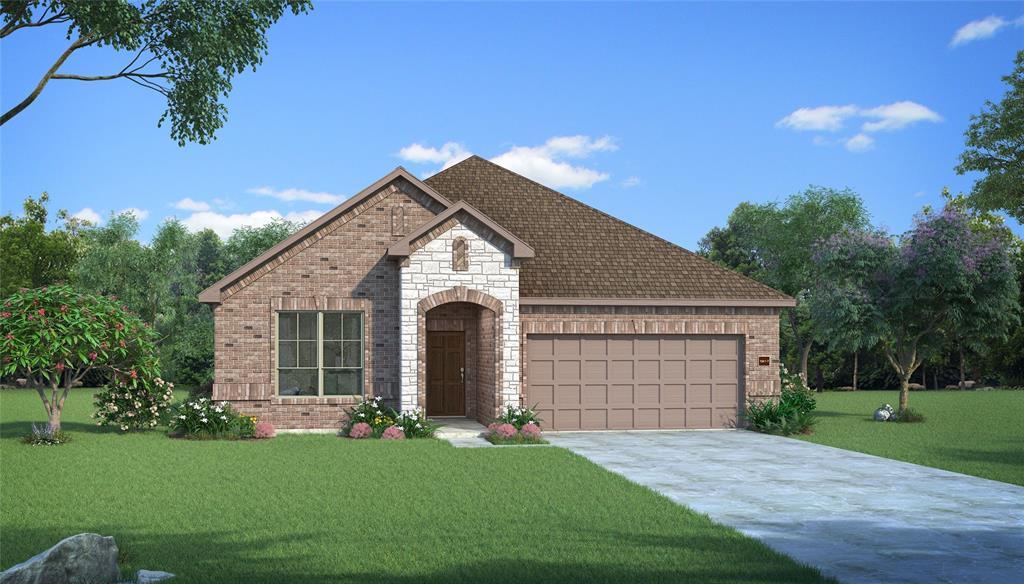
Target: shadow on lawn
column 222, row 557
column 1007, row 457
column 23, row 427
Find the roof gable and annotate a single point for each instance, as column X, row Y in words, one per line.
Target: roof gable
column 214, row 294
column 404, row 246
column 583, row 253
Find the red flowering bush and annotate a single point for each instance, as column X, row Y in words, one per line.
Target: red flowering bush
column 264, row 430
column 360, row 430
column 393, row 433
column 53, row 336
column 530, row 430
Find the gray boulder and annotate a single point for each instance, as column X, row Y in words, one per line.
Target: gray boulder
column 970, row 384
column 79, row 559
column 915, row 386
column 882, row 415
column 151, row 576
column 21, row 382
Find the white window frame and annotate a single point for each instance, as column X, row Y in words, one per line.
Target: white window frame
column 320, row 353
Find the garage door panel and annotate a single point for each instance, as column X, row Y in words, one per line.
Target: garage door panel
column 595, row 395
column 595, row 419
column 648, row 418
column 567, row 419
column 620, row 419
column 597, row 382
column 567, row 395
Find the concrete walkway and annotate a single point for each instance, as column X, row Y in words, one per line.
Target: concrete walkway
column 856, row 517
column 461, row 432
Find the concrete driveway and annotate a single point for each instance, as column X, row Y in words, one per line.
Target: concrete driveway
column 856, row 517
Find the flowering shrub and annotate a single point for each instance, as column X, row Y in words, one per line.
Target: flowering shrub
column 54, row 336
column 505, row 433
column 246, row 426
column 414, row 424
column 203, row 418
column 370, row 412
column 264, row 430
column 393, row 433
column 360, row 430
column 518, row 416
column 132, row 403
column 530, row 430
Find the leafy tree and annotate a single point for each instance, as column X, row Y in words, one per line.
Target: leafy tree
column 186, row 50
column 906, row 293
column 245, row 243
column 114, row 262
column 774, row 244
column 995, row 147
column 54, row 335
column 33, row 256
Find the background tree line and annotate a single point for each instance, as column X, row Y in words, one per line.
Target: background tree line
column 159, row 281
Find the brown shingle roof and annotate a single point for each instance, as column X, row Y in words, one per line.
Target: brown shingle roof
column 584, row 253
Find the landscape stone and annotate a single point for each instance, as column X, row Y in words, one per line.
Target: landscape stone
column 151, row 576
column 86, row 557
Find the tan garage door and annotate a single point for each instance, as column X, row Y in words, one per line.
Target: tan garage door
column 613, row 382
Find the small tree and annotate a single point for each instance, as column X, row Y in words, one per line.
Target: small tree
column 906, row 293
column 54, row 336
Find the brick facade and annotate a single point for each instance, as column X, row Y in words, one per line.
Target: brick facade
column 344, row 265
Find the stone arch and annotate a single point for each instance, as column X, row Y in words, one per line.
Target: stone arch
column 472, row 296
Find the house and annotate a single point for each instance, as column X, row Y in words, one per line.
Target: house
column 477, row 288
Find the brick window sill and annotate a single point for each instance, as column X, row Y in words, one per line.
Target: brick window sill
column 339, row 399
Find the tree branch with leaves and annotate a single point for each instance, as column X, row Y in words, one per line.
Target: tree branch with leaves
column 188, row 51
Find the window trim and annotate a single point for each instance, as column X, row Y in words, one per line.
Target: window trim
column 320, row 354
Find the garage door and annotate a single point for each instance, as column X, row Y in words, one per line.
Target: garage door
column 624, row 382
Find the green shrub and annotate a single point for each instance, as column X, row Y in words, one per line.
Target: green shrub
column 793, row 413
column 517, row 439
column 370, row 411
column 415, row 424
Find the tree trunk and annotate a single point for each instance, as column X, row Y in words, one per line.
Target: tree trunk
column 924, row 377
column 904, row 392
column 54, row 421
column 856, row 354
column 963, row 366
column 805, row 353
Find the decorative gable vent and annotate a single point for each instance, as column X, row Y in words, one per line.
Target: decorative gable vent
column 398, row 220
column 460, row 254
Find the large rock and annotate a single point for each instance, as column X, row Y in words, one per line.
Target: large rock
column 970, row 384
column 915, row 386
column 79, row 559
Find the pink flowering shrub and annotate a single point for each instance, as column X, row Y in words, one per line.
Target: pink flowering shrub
column 393, row 433
column 264, row 430
column 360, row 430
column 505, row 430
column 530, row 430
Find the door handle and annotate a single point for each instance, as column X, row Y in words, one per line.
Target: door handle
column 462, row 374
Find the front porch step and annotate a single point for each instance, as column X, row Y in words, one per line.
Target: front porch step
column 461, row 432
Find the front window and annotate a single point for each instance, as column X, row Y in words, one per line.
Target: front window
column 319, row 353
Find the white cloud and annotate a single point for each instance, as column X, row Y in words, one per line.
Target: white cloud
column 140, row 214
column 450, row 154
column 860, row 143
column 829, row 118
column 981, row 29
column 188, row 204
column 89, row 215
column 298, row 195
column 223, row 224
column 919, row 194
column 630, row 182
column 545, row 164
column 898, row 115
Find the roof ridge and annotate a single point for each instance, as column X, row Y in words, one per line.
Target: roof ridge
column 613, row 218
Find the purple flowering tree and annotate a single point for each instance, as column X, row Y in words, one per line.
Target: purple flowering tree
column 906, row 292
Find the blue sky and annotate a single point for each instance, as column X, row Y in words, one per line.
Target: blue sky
column 665, row 115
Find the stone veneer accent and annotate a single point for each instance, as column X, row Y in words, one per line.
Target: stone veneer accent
column 759, row 327
column 427, row 279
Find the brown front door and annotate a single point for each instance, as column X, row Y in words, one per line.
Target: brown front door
column 446, row 359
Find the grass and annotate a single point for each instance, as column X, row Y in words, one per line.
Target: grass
column 978, row 433
column 317, row 508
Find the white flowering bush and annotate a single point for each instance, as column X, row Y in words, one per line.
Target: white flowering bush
column 518, row 416
column 132, row 402
column 203, row 418
column 415, row 424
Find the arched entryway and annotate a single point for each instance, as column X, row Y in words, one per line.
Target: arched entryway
column 459, row 352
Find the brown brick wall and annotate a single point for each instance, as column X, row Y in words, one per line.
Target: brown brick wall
column 341, row 266
column 759, row 328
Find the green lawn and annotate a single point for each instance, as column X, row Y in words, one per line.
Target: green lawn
column 317, row 508
column 979, row 433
